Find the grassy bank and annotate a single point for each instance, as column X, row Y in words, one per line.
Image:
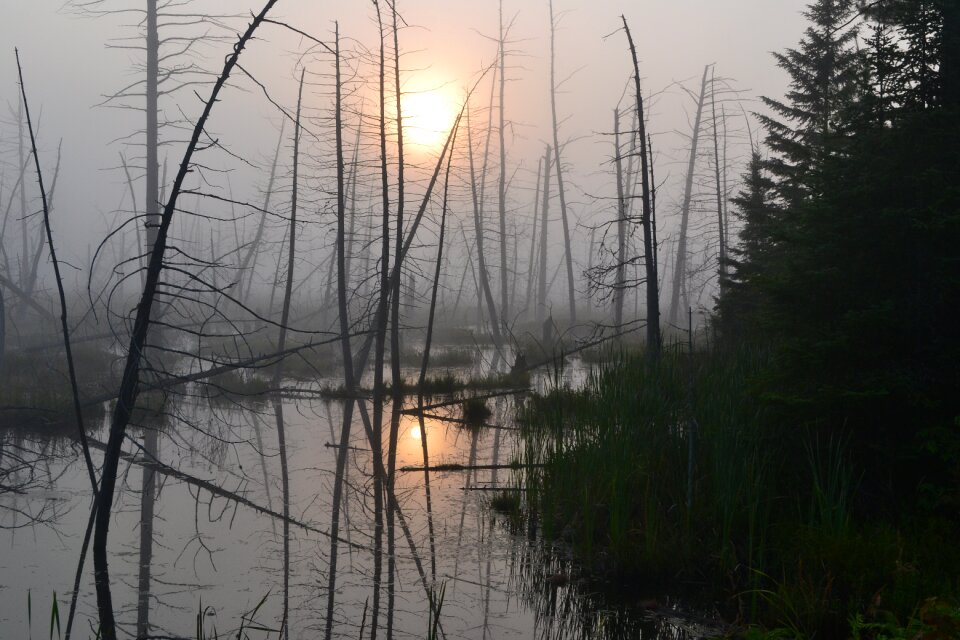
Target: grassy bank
column 767, row 518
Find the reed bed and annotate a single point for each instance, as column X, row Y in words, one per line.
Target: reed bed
column 682, row 476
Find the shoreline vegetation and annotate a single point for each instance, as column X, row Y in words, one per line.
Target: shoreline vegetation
column 689, row 477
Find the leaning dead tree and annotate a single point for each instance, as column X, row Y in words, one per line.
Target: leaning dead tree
column 483, row 275
column 78, row 411
column 680, row 264
column 647, row 222
column 130, row 383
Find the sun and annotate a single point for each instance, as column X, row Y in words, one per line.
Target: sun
column 427, row 118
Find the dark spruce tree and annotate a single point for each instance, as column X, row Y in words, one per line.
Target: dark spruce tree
column 753, row 259
column 854, row 277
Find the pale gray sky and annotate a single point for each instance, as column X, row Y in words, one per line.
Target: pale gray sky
column 69, row 68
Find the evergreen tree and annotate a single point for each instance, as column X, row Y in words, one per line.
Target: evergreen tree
column 753, row 259
column 824, row 75
column 853, row 276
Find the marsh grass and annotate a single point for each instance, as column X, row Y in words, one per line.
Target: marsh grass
column 508, row 503
column 766, row 524
column 35, row 390
column 475, row 411
column 236, row 383
column 442, row 356
column 448, row 382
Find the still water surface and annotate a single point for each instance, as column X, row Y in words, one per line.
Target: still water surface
column 200, row 532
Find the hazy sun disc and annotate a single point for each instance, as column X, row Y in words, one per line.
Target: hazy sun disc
column 427, row 118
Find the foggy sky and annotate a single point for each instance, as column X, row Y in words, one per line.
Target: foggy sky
column 68, row 68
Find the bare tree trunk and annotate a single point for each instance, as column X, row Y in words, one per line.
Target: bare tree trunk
column 17, row 188
column 249, row 258
column 395, row 335
column 152, row 201
column 352, row 209
column 3, row 328
column 542, row 284
column 425, row 364
column 278, row 372
column 680, row 270
column 343, row 451
column 619, row 284
column 22, row 267
column 380, row 329
column 478, row 229
column 148, row 498
column 721, row 227
column 533, row 241
column 129, row 386
column 141, row 246
column 649, row 262
column 276, row 275
column 38, row 252
column 398, row 263
column 556, row 153
column 502, row 183
column 653, row 210
column 78, row 412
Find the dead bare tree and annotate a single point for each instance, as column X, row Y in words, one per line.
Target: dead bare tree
column 502, row 182
column 170, row 65
column 542, row 257
column 721, row 224
column 561, row 193
column 65, row 327
column 343, row 451
column 249, row 261
column 278, row 372
column 650, row 265
column 680, row 268
column 478, row 230
column 619, row 284
column 426, row 362
column 130, row 383
column 531, row 269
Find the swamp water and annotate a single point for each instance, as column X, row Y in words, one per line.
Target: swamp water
column 200, row 533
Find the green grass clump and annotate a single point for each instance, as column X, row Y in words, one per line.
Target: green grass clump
column 508, row 504
column 505, row 502
column 475, row 411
